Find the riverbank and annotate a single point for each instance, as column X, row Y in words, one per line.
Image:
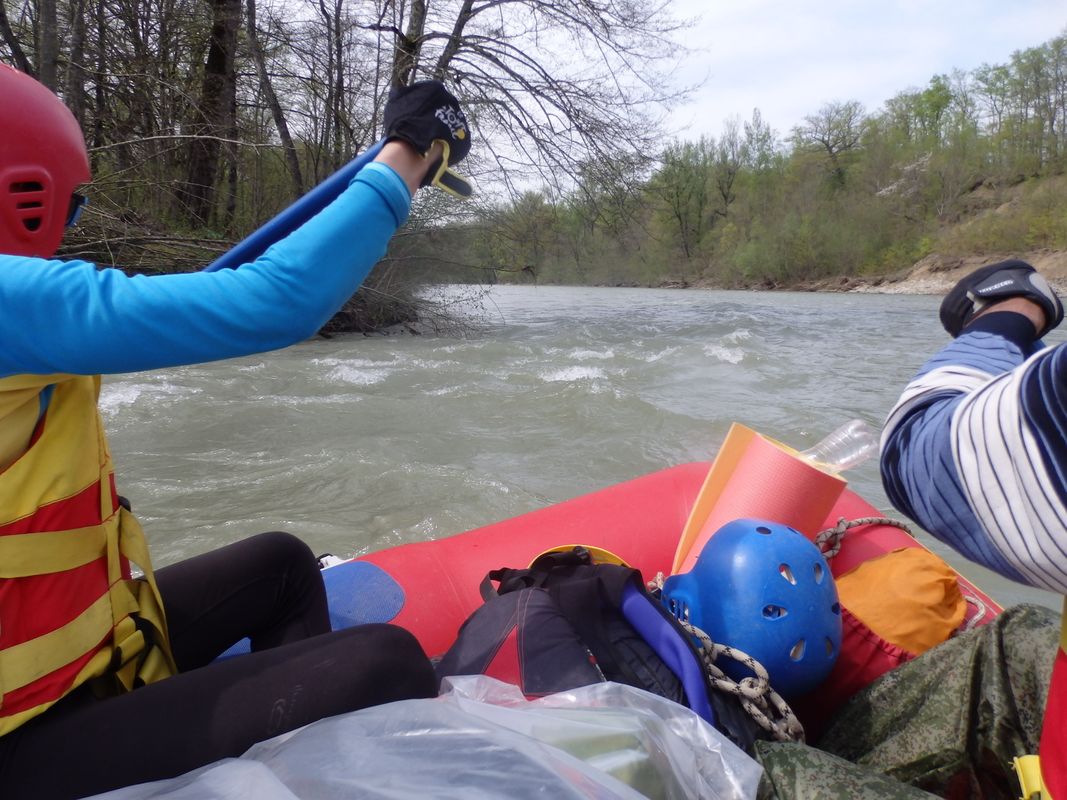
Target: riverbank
column 937, row 274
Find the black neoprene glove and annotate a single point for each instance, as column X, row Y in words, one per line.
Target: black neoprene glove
column 999, row 281
column 424, row 113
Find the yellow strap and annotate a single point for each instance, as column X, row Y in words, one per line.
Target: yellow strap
column 126, row 652
column 22, row 664
column 132, row 542
column 1028, row 770
column 149, row 602
column 598, row 554
column 26, row 554
column 96, row 666
column 66, row 459
column 139, row 662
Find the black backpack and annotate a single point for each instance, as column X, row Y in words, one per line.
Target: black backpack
column 566, row 622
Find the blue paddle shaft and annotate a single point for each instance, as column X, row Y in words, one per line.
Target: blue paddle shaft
column 303, row 209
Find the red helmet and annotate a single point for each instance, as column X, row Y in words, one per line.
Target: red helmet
column 42, row 161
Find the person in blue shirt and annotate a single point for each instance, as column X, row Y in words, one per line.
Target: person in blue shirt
column 109, row 675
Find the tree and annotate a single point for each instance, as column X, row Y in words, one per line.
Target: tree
column 836, row 129
column 1033, row 78
column 47, row 43
column 76, row 67
column 932, row 104
column 520, row 235
column 729, row 158
column 551, row 86
column 681, row 186
column 292, row 162
column 11, row 40
column 992, row 84
column 761, row 143
column 215, row 115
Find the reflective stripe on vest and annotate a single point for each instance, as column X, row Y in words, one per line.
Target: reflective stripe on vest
column 69, row 610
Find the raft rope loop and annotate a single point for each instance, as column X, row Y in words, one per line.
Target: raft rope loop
column 766, row 707
column 829, row 540
column 981, row 609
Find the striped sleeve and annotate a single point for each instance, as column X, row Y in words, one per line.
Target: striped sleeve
column 975, row 451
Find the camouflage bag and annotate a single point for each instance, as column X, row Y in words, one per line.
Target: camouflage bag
column 947, row 723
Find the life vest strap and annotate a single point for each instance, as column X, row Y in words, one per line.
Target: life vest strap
column 157, row 661
column 26, row 554
column 130, row 614
column 22, row 664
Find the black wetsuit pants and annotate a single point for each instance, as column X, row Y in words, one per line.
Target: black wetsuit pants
column 267, row 588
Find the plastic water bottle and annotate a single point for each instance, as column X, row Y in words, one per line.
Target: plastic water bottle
column 850, row 445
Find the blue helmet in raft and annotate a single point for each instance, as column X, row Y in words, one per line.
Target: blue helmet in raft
column 765, row 589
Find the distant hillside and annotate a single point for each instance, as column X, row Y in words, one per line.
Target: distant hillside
column 970, row 165
column 999, row 224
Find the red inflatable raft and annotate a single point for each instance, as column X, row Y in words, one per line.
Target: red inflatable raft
column 639, row 520
column 658, row 524
column 430, row 588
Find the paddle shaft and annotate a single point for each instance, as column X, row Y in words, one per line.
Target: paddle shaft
column 301, row 210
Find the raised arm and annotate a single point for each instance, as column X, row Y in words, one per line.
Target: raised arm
column 70, row 317
column 975, row 449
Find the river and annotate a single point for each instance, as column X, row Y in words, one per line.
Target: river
column 357, row 443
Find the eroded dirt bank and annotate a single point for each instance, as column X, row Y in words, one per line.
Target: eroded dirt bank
column 937, row 274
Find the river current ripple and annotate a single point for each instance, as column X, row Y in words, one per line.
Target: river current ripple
column 358, row 443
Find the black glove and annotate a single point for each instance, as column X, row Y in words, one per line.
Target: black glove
column 997, row 282
column 424, row 113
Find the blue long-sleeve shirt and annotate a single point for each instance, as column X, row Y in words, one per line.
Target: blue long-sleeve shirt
column 975, row 450
column 70, row 317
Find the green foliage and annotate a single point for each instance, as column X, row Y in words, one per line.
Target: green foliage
column 851, row 194
column 681, row 195
column 1035, row 217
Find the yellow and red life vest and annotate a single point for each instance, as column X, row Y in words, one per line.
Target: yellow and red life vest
column 70, row 612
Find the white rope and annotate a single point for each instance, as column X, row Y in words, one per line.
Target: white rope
column 758, row 698
column 974, row 621
column 769, row 710
column 829, row 540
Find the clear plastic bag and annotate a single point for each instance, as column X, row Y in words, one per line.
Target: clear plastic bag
column 482, row 739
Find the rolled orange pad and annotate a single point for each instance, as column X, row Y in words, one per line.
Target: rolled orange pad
column 753, row 476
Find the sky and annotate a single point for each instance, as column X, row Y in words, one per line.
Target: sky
column 790, row 57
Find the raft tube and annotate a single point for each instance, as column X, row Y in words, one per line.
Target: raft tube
column 431, row 587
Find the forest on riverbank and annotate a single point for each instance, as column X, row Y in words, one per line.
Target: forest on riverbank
column 971, row 165
column 204, row 119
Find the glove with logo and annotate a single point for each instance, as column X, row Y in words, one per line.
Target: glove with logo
column 988, row 285
column 424, row 113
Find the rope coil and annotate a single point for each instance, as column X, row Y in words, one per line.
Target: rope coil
column 759, row 700
column 769, row 710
